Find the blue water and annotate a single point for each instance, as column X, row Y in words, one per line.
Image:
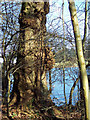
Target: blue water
column 57, row 94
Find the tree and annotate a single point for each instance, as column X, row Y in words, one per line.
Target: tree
column 64, row 54
column 33, row 56
column 79, row 50
column 72, row 90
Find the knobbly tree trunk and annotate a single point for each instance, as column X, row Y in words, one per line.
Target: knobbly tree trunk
column 80, row 56
column 33, row 58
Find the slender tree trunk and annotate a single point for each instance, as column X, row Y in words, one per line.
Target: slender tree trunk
column 89, row 52
column 80, row 56
column 71, row 92
column 8, row 93
column 50, row 82
column 0, row 91
column 4, row 80
column 85, row 26
column 64, row 53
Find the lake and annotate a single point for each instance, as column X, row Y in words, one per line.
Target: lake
column 71, row 74
column 57, row 94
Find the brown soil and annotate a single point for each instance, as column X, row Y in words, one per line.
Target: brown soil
column 40, row 112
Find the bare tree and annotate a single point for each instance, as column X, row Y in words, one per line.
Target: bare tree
column 81, row 61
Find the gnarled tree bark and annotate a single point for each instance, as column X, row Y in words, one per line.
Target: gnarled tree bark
column 34, row 58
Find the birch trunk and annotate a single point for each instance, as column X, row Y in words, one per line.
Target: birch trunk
column 80, row 56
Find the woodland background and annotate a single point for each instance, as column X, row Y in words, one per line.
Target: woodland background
column 45, row 51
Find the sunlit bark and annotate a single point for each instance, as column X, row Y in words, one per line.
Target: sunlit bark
column 80, row 56
column 34, row 58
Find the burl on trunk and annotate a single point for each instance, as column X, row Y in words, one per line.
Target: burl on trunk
column 33, row 57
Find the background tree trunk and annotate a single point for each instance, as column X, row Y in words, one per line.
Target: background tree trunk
column 64, row 55
column 72, row 90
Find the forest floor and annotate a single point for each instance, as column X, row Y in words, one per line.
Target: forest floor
column 39, row 113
